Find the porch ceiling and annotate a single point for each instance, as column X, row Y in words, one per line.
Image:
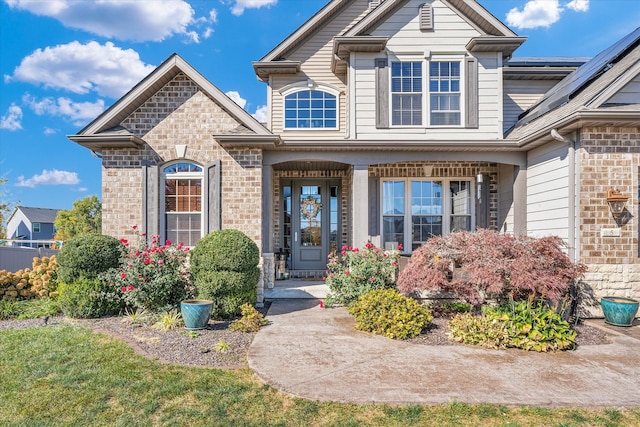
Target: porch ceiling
column 310, row 165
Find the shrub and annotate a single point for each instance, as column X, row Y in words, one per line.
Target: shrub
column 224, row 250
column 38, row 282
column 89, row 298
column 228, row 290
column 224, row 269
column 389, row 313
column 518, row 324
column 478, row 330
column 491, row 265
column 152, row 276
column 357, row 271
column 251, row 321
column 87, row 256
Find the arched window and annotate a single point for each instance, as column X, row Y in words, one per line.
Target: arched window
column 310, row 109
column 182, row 201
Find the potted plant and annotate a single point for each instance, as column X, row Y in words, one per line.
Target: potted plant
column 196, row 313
column 619, row 311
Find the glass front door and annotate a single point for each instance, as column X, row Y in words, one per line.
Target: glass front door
column 311, row 223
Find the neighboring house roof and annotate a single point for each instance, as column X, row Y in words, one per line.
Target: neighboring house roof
column 581, row 98
column 495, row 36
column 41, row 215
column 106, row 131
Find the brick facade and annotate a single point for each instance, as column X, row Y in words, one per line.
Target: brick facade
column 180, row 113
column 610, row 157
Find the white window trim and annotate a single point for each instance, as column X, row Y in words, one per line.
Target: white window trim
column 426, row 60
column 310, row 85
column 446, row 206
column 33, row 227
column 179, row 175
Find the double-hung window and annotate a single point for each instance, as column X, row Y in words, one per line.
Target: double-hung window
column 441, row 98
column 406, row 93
column 444, row 91
column 414, row 210
column 183, row 202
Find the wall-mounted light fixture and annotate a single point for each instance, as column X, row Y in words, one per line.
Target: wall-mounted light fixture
column 616, row 201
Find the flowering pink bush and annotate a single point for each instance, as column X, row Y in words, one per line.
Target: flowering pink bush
column 355, row 271
column 152, row 276
column 491, row 264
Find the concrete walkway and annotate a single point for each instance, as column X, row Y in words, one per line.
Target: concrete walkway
column 317, row 354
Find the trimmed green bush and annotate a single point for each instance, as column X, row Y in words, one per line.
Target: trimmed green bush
column 228, row 290
column 224, row 269
column 87, row 256
column 224, row 250
column 89, row 298
column 389, row 313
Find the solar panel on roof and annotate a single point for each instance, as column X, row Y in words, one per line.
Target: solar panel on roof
column 567, row 88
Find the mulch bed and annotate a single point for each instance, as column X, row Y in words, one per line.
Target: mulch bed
column 203, row 348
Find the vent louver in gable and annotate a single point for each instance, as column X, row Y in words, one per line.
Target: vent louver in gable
column 426, row 17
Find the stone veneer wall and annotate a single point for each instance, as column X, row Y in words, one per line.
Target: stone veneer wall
column 180, row 113
column 445, row 170
column 609, row 157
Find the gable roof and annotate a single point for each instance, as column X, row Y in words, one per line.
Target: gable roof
column 105, row 130
column 580, row 99
column 495, row 35
column 41, row 215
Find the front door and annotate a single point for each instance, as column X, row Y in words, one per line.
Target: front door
column 314, row 225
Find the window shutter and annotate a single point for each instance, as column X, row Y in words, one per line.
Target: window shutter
column 482, row 201
column 211, row 206
column 471, row 72
column 426, row 17
column 150, row 199
column 382, row 93
column 374, row 206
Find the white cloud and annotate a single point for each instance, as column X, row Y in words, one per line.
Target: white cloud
column 207, row 33
column 120, row 19
column 213, row 16
column 261, row 114
column 536, row 13
column 235, row 96
column 578, row 5
column 49, row 177
column 81, row 68
column 64, row 107
column 240, row 5
column 542, row 13
column 50, row 131
column 11, row 120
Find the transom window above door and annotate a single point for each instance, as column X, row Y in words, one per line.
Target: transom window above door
column 413, row 211
column 182, row 202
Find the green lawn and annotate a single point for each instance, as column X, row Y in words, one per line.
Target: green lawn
column 71, row 376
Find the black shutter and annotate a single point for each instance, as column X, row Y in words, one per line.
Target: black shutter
column 374, row 206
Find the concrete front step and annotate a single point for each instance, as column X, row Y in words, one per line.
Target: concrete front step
column 297, row 289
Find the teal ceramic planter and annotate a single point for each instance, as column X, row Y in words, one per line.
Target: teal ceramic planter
column 196, row 313
column 619, row 311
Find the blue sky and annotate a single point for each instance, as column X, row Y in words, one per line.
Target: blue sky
column 64, row 61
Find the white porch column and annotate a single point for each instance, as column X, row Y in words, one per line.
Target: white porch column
column 360, row 205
